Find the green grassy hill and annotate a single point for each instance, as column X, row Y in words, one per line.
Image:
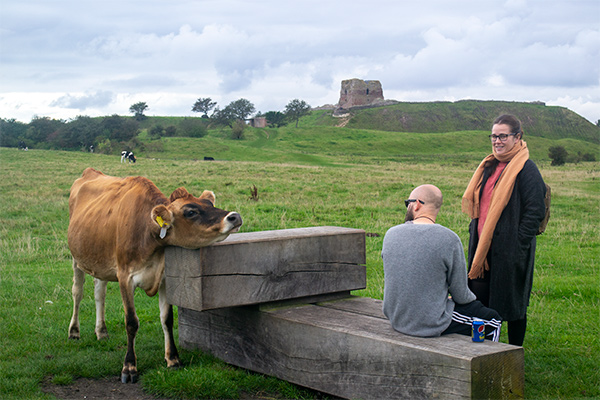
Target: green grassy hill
column 549, row 122
column 423, row 132
column 327, row 146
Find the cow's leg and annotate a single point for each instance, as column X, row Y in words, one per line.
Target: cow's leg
column 166, row 319
column 77, row 291
column 132, row 324
column 100, row 296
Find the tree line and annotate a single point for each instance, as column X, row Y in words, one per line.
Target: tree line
column 241, row 109
column 559, row 156
column 113, row 133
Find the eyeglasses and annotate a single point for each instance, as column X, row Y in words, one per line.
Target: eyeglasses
column 407, row 202
column 502, row 136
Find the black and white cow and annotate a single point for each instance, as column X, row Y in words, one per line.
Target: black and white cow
column 127, row 156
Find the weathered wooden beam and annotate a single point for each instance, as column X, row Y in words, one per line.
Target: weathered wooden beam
column 258, row 267
column 348, row 348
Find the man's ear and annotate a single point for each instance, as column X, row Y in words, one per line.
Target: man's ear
column 208, row 195
column 417, row 205
column 162, row 217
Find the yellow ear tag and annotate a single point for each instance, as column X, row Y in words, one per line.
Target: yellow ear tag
column 163, row 226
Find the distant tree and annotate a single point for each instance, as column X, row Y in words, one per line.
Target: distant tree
column 119, row 128
column 138, row 109
column 296, row 109
column 276, row 119
column 204, row 105
column 156, row 132
column 241, row 108
column 12, row 132
column 237, row 130
column 104, row 146
column 588, row 157
column 223, row 117
column 583, row 157
column 558, row 155
column 40, row 129
column 78, row 133
column 236, row 110
column 171, row 130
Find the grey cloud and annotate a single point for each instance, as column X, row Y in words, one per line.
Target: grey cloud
column 82, row 102
column 249, row 49
column 235, row 80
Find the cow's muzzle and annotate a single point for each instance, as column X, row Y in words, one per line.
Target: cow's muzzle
column 233, row 221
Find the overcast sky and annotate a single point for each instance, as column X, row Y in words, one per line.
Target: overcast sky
column 64, row 58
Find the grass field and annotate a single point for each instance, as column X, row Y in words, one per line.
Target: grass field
column 348, row 178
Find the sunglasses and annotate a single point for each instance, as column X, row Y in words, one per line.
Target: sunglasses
column 407, row 202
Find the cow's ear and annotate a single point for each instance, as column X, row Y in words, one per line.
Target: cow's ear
column 208, row 195
column 162, row 217
column 178, row 194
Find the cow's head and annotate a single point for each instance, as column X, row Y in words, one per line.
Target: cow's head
column 194, row 222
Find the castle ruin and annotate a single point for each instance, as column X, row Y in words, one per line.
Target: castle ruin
column 356, row 92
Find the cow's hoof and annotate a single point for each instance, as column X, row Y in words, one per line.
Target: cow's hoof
column 74, row 333
column 102, row 333
column 101, row 336
column 174, row 364
column 132, row 377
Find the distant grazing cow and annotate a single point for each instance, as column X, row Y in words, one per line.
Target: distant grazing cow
column 118, row 230
column 127, row 156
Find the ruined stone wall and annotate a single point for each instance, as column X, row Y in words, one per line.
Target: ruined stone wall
column 258, row 122
column 356, row 92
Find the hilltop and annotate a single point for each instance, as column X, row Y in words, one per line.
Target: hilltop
column 550, row 122
column 400, row 131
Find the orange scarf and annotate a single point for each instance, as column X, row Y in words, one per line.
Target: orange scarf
column 516, row 158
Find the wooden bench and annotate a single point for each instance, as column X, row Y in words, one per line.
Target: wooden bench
column 323, row 338
column 258, row 267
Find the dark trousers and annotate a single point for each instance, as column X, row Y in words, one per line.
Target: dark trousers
column 464, row 314
column 516, row 329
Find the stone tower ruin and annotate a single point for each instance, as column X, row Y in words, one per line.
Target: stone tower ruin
column 356, row 92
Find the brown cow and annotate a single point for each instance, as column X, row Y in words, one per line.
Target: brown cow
column 118, row 231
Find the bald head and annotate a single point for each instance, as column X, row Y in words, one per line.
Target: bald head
column 430, row 195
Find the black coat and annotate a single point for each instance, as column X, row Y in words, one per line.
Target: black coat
column 512, row 251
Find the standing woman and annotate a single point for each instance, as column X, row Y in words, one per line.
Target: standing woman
column 505, row 199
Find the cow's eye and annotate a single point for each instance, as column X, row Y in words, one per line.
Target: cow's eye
column 190, row 213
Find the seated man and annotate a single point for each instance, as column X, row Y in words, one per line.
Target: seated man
column 426, row 291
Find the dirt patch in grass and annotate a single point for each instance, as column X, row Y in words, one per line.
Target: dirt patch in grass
column 113, row 389
column 96, row 389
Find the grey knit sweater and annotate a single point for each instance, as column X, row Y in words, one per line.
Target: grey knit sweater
column 423, row 264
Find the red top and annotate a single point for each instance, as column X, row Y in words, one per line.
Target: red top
column 486, row 195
